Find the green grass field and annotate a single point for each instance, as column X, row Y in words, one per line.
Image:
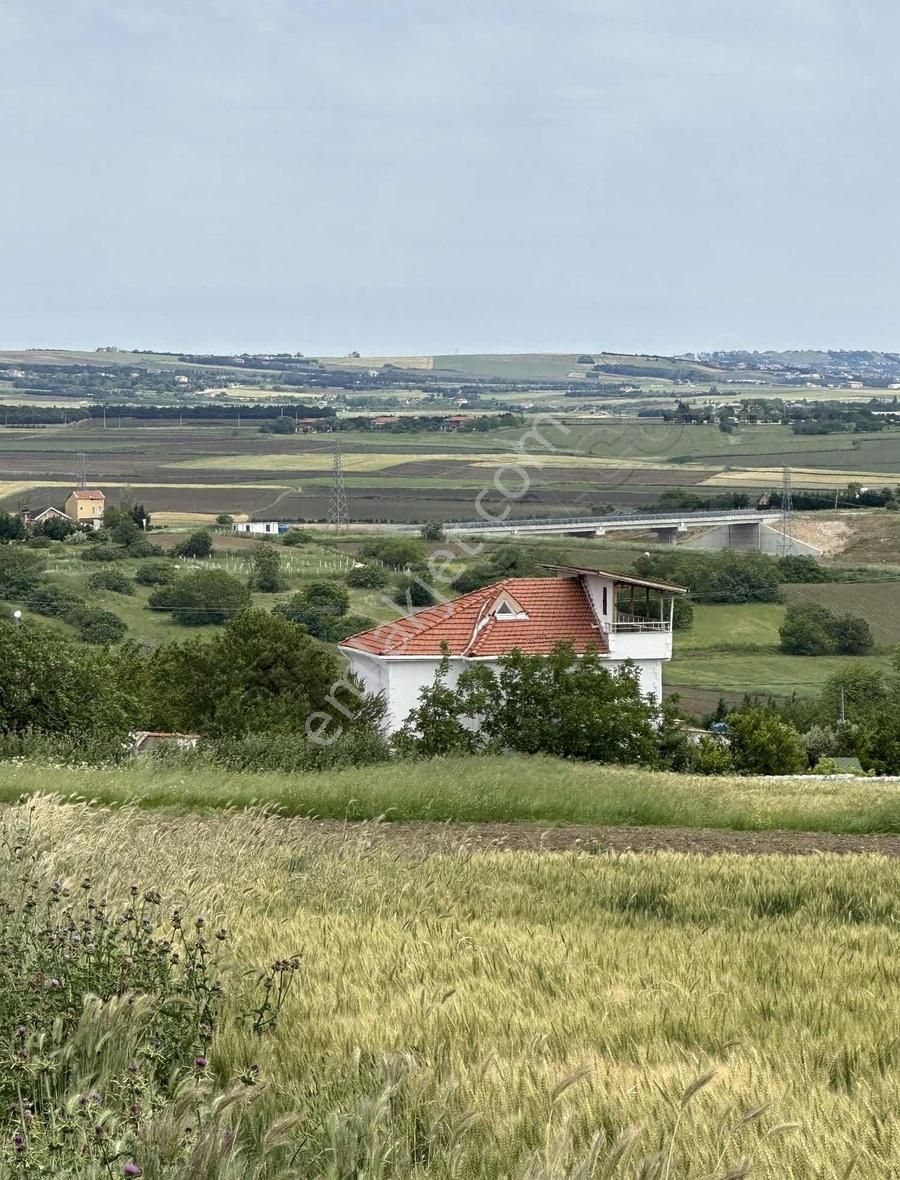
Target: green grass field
column 515, row 1015
column 753, row 624
column 483, row 789
column 759, row 672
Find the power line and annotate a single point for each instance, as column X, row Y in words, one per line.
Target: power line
column 338, row 510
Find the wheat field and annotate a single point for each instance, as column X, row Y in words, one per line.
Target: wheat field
column 509, row 1014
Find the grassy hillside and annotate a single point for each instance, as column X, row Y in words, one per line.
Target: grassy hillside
column 493, row 1015
column 481, row 789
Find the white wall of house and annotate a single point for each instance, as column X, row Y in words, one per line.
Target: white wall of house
column 402, row 679
column 257, row 527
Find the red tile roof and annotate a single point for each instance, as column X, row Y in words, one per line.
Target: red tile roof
column 83, row 494
column 558, row 609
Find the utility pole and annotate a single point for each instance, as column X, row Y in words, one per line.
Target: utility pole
column 338, row 510
column 787, row 511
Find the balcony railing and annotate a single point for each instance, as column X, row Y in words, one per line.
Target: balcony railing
column 633, row 623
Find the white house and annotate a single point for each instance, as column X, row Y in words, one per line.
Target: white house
column 621, row 618
column 256, row 528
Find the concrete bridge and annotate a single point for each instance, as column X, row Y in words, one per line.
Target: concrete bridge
column 737, row 528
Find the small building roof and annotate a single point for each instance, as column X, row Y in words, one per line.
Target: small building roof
column 555, row 610
column 87, row 494
column 621, row 579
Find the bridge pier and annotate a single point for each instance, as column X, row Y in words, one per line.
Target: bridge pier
column 668, row 535
column 745, row 536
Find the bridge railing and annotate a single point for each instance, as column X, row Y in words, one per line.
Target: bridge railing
column 620, row 518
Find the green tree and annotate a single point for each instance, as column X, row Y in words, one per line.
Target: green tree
column 51, row 684
column 561, row 704
column 198, row 544
column 396, row 552
column 155, row 573
column 96, row 625
column 763, row 744
column 11, row 527
column 367, row 576
column 439, row 725
column 856, row 692
column 319, row 607
column 296, row 536
column 413, row 591
column 56, row 528
column 433, row 530
column 21, row 571
column 852, row 635
column 711, row 755
column 266, row 575
column 201, row 598
column 807, row 630
column 260, row 674
column 879, row 747
column 111, row 579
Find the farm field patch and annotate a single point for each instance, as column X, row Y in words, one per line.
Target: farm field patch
column 504, row 1000
column 877, row 602
column 760, row 673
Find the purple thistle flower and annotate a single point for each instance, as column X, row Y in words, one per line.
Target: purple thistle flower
column 131, row 1169
column 200, row 1062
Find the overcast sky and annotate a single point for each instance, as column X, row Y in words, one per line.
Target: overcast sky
column 421, row 176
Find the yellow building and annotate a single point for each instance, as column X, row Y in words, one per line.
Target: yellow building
column 85, row 507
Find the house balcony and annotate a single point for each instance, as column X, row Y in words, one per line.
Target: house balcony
column 632, row 638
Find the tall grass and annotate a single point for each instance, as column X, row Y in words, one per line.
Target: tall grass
column 512, row 1015
column 544, row 790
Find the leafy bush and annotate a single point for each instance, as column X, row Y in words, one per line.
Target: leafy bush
column 113, row 580
column 396, row 552
column 55, row 602
column 78, row 690
column 795, row 568
column 102, row 551
column 55, row 527
column 297, row 537
column 413, row 591
column 813, row 630
column 880, row 745
column 727, row 576
column 143, row 548
column 198, row 544
column 21, row 571
column 261, row 674
column 852, row 636
column 366, row 577
column 12, row 527
column 711, row 755
column 433, row 530
column 763, row 744
column 562, row 704
column 155, row 573
column 508, row 561
column 321, row 608
column 202, row 597
column 807, row 630
column 96, row 625
column 266, row 575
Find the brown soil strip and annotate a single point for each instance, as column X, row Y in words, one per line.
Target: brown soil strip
column 529, row 837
